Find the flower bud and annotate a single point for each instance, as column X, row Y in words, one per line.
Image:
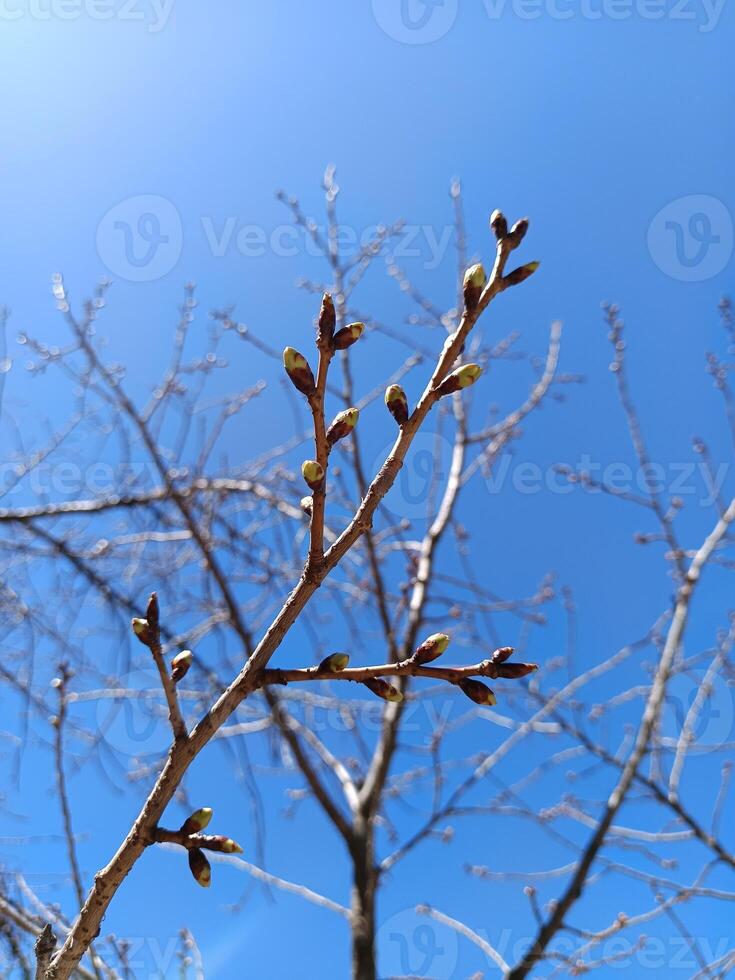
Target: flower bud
column 152, row 612
column 334, row 663
column 220, row 843
column 514, row 672
column 397, row 403
column 523, row 272
column 142, row 629
column 461, row 378
column 473, row 285
column 200, row 867
column 343, row 424
column 518, row 232
column 501, row 655
column 348, row 335
column 298, row 370
column 327, row 320
column 198, row 820
column 432, row 648
column 180, row 665
column 383, row 689
column 477, row 691
column 313, row 474
column 499, row 224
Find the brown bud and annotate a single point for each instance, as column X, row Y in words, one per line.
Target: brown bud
column 298, row 370
column 518, row 232
column 515, row 671
column 383, row 689
column 519, row 275
column 342, row 425
column 198, row 820
column 461, row 378
column 473, row 285
column 313, row 474
column 152, row 611
column 499, row 224
column 477, row 691
column 180, row 665
column 501, row 655
column 219, row 843
column 200, row 867
column 348, row 336
column 432, row 648
column 327, row 320
column 397, row 403
column 334, row 663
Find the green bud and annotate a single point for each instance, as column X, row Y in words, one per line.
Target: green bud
column 142, row 629
column 334, row 663
column 384, row 690
column 348, row 336
column 298, row 370
column 462, row 378
column 432, row 648
column 342, row 425
column 519, row 275
column 198, row 821
column 180, row 665
column 478, row 692
column 397, row 403
column 313, row 474
column 473, row 285
column 200, row 867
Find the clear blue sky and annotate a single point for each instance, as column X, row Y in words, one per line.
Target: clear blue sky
column 590, row 117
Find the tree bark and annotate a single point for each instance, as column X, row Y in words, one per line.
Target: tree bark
column 363, row 902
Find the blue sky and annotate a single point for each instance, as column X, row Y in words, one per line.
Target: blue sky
column 608, row 122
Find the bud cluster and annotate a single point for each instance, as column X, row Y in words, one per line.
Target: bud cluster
column 191, row 837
